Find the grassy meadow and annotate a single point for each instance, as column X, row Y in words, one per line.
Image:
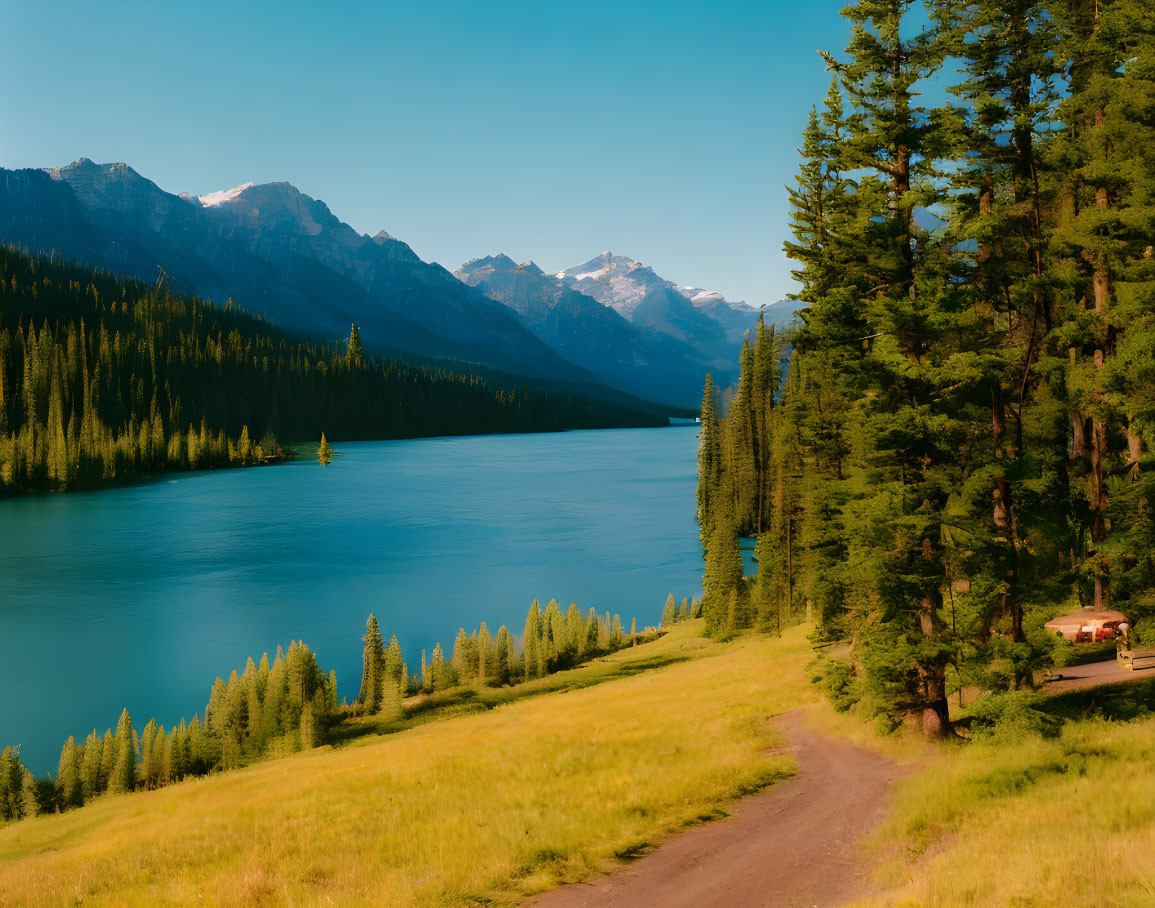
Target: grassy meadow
column 484, row 799
column 1024, row 820
column 484, row 796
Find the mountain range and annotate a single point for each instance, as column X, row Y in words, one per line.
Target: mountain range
column 644, row 361
column 275, row 251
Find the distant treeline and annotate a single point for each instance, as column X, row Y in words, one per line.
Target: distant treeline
column 103, row 377
column 290, row 704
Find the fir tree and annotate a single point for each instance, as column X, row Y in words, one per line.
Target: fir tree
column 123, row 775
column 69, row 780
column 723, row 573
column 503, row 656
column 355, row 355
column 11, row 785
column 372, row 668
column 616, row 640
column 531, row 642
column 709, row 459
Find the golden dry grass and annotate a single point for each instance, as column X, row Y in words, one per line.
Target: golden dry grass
column 1029, row 822
column 482, row 808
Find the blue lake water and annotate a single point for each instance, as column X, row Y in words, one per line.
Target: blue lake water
column 140, row 596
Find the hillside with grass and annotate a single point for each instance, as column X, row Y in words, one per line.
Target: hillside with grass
column 479, row 796
column 482, row 795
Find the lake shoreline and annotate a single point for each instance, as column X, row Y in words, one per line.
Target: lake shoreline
column 296, row 450
column 151, row 587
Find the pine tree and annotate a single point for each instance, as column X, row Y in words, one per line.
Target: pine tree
column 709, row 459
column 552, row 637
column 149, row 757
column 925, row 338
column 1008, row 90
column 308, row 729
column 485, row 655
column 161, row 771
column 90, row 767
column 723, row 573
column 531, row 642
column 464, row 657
column 355, row 354
column 372, row 668
column 69, row 780
column 324, row 451
column 274, row 707
column 616, row 640
column 439, row 671
column 123, row 775
column 108, row 760
column 395, row 669
column 575, row 630
column 593, row 643
column 741, row 453
column 503, row 656
column 11, row 785
column 1102, row 248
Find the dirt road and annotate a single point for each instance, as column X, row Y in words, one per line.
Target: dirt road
column 1078, row 677
column 795, row 844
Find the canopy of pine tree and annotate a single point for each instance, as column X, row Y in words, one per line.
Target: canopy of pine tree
column 962, row 446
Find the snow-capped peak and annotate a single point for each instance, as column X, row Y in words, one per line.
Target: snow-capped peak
column 212, row 199
column 706, row 296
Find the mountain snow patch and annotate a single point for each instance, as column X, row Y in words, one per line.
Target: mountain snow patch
column 212, row 199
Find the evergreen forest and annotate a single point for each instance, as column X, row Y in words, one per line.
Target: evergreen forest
column 954, row 444
column 103, row 378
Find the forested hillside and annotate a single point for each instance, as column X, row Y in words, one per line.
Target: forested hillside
column 288, row 704
column 103, row 378
column 962, row 445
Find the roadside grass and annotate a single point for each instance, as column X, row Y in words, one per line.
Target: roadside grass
column 1025, row 820
column 541, row 788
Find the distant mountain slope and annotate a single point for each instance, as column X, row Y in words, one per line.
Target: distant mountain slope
column 782, row 313
column 634, row 359
column 704, row 320
column 274, row 250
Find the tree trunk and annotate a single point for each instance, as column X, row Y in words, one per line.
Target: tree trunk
column 1097, row 486
column 1134, row 452
column 1078, row 436
column 932, row 675
column 935, row 711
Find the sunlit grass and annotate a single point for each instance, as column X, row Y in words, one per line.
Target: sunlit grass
column 1030, row 822
column 484, row 807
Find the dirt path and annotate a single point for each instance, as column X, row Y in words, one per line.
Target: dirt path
column 1078, row 677
column 795, row 844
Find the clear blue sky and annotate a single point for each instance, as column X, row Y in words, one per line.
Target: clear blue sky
column 662, row 130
